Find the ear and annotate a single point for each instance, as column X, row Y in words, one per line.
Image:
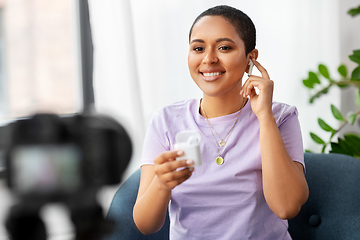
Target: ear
column 251, row 55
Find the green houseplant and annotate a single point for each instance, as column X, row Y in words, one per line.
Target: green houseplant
column 349, row 143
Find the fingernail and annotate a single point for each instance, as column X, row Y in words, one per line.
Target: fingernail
column 179, row 152
column 189, row 162
column 191, row 169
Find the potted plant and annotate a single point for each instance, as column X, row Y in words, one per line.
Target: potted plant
column 348, row 143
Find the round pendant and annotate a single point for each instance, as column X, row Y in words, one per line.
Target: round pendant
column 222, row 143
column 219, row 160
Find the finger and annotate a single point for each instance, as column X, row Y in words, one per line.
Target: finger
column 252, row 93
column 181, row 180
column 262, row 70
column 260, row 83
column 175, row 178
column 166, row 156
column 242, row 91
column 251, row 78
column 172, row 166
column 248, row 87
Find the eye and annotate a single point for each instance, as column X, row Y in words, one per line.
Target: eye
column 198, row 49
column 225, row 48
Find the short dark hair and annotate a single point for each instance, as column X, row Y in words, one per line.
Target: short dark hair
column 242, row 23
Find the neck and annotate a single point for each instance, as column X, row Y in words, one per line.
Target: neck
column 221, row 106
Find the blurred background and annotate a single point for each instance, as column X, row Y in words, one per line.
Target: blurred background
column 140, row 62
column 141, row 47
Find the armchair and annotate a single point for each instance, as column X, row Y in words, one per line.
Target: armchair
column 331, row 212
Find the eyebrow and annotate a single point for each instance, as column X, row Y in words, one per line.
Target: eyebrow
column 224, row 40
column 197, row 40
column 217, row 40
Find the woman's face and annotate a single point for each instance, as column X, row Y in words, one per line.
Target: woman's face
column 217, row 58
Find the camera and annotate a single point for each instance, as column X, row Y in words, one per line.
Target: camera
column 49, row 158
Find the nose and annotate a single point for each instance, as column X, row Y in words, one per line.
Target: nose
column 210, row 57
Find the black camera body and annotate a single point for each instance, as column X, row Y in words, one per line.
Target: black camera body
column 65, row 159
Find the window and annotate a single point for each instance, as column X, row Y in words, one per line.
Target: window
column 2, row 70
column 39, row 64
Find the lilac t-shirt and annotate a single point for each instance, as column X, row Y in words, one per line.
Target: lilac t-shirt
column 222, row 201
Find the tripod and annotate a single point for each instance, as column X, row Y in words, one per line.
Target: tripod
column 25, row 223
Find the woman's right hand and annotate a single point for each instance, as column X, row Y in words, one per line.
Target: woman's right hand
column 167, row 169
column 154, row 194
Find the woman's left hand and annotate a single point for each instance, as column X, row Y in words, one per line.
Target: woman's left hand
column 261, row 103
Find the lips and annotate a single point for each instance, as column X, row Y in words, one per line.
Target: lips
column 210, row 75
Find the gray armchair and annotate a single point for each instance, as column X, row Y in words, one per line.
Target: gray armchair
column 331, row 212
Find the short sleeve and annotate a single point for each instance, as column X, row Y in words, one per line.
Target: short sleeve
column 156, row 140
column 290, row 130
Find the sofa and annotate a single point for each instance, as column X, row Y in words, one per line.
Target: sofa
column 331, row 212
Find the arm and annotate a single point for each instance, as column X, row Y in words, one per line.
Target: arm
column 155, row 190
column 284, row 184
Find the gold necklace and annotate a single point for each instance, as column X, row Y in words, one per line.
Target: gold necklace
column 222, row 143
column 219, row 160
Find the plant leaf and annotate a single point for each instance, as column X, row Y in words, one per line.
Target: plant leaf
column 341, row 147
column 355, row 57
column 308, row 83
column 355, row 75
column 311, row 80
column 343, row 86
column 316, row 138
column 323, row 148
column 335, row 148
column 357, row 98
column 332, row 134
column 354, row 11
column 325, row 126
column 343, row 70
column 345, row 147
column 313, row 77
column 324, row 71
column 351, row 117
column 337, row 114
column 353, row 142
column 308, row 151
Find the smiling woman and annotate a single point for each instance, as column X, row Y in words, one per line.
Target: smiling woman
column 251, row 147
column 141, row 49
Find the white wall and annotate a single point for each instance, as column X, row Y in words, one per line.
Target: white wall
column 141, row 51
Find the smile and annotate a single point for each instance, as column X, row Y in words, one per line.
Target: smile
column 212, row 74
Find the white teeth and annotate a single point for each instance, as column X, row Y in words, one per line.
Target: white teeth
column 212, row 74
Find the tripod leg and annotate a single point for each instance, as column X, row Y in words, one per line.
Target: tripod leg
column 23, row 223
column 90, row 223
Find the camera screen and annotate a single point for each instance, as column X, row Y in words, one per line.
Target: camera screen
column 46, row 169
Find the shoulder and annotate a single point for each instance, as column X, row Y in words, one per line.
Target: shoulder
column 174, row 110
column 283, row 111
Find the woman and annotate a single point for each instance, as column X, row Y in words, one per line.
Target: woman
column 252, row 176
